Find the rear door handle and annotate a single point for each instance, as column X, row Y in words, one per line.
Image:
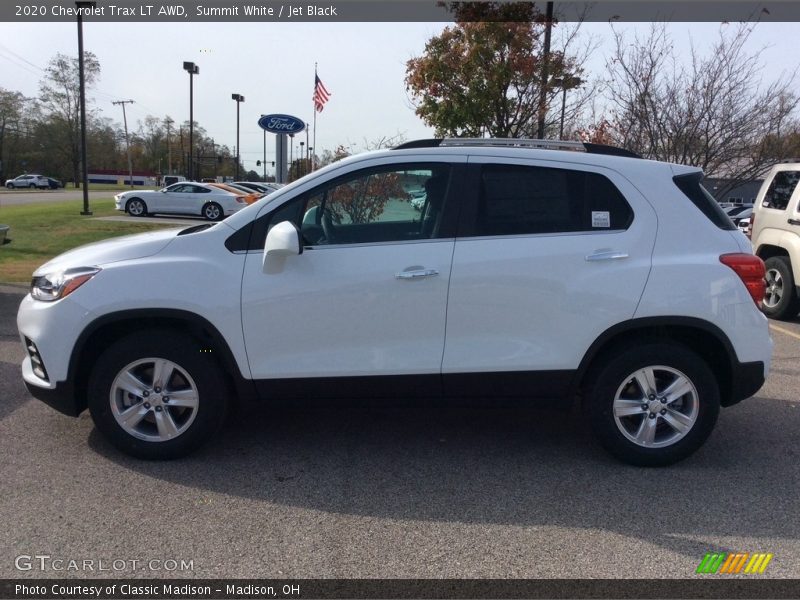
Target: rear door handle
column 606, row 254
column 416, row 273
column 794, row 222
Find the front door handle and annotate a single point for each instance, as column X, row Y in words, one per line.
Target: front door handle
column 606, row 254
column 416, row 273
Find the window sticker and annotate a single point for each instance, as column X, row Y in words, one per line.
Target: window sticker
column 601, row 218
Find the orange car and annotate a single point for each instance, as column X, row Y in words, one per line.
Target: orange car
column 249, row 196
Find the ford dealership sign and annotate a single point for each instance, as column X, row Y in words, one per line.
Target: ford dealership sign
column 281, row 124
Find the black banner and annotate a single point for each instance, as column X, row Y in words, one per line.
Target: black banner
column 701, row 587
column 332, row 11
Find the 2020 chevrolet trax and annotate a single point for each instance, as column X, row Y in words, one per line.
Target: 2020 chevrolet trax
column 523, row 269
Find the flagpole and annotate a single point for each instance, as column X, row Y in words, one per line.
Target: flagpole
column 314, row 108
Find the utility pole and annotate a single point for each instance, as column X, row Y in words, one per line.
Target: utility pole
column 548, row 29
column 81, row 6
column 127, row 140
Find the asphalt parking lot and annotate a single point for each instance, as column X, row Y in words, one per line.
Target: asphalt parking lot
column 397, row 492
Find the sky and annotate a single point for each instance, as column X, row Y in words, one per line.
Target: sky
column 272, row 66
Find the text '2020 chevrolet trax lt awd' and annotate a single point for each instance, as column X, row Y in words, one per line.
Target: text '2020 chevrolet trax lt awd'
column 526, row 271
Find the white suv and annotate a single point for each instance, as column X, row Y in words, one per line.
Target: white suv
column 775, row 227
column 28, row 181
column 530, row 272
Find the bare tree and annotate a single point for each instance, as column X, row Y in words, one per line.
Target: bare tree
column 714, row 112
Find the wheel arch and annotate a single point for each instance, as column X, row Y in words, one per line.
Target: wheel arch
column 702, row 337
column 105, row 330
column 767, row 251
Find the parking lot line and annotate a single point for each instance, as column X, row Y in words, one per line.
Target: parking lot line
column 786, row 331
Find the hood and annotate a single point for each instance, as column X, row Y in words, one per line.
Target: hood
column 127, row 247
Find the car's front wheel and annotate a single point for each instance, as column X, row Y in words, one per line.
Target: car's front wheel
column 10, row 186
column 780, row 298
column 136, row 207
column 653, row 405
column 157, row 395
column 212, row 211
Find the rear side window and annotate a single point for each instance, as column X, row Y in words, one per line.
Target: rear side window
column 781, row 189
column 691, row 188
column 529, row 200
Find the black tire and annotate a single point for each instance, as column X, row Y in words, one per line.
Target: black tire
column 212, row 211
column 615, row 375
column 10, row 186
column 780, row 281
column 193, row 426
column 32, row 186
column 136, row 207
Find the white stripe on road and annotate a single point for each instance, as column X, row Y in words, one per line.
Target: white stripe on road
column 786, row 331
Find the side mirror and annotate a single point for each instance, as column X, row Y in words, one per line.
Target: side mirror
column 283, row 241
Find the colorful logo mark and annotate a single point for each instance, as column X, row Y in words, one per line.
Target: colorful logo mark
column 734, row 562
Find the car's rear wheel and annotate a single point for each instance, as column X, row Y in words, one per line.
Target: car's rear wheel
column 653, row 404
column 156, row 395
column 212, row 211
column 136, row 207
column 780, row 299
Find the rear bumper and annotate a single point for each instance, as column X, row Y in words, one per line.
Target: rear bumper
column 746, row 379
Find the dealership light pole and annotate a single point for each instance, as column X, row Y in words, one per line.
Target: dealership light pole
column 239, row 99
column 83, row 6
column 193, row 70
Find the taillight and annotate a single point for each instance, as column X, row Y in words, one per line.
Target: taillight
column 750, row 270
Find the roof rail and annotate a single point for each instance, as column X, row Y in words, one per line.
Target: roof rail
column 519, row 143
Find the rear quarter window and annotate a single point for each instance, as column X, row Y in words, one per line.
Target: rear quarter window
column 699, row 196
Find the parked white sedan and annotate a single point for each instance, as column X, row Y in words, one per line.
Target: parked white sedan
column 183, row 198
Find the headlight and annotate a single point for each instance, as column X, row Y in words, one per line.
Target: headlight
column 54, row 286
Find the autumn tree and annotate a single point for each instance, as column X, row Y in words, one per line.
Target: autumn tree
column 59, row 94
column 485, row 76
column 713, row 111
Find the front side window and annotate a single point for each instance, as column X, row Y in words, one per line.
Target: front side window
column 518, row 200
column 781, row 189
column 383, row 204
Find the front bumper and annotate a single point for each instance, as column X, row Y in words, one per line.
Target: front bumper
column 60, row 397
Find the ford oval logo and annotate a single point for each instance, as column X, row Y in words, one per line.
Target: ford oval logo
column 281, row 124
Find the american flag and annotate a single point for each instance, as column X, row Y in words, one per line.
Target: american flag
column 321, row 94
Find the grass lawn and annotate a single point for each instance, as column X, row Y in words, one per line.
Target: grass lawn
column 41, row 231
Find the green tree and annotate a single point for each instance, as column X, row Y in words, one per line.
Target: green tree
column 11, row 114
column 59, row 95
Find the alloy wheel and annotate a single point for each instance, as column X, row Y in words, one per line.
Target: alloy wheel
column 656, row 406
column 154, row 399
